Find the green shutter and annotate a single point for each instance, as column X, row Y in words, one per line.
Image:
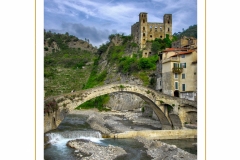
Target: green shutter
column 183, row 87
column 175, row 65
column 183, row 76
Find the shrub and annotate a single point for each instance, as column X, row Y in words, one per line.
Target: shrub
column 45, row 48
column 97, row 102
column 144, row 63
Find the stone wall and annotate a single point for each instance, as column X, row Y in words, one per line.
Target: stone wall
column 156, row 134
column 167, row 87
column 124, row 101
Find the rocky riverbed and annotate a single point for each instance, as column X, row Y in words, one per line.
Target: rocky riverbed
column 87, row 150
column 112, row 122
column 160, row 150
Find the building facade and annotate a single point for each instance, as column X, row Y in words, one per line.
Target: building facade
column 179, row 73
column 143, row 31
column 185, row 42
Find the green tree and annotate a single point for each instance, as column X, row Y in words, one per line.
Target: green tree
column 156, row 47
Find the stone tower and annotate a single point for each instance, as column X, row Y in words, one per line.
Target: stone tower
column 143, row 28
column 167, row 20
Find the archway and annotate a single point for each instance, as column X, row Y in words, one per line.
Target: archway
column 176, row 93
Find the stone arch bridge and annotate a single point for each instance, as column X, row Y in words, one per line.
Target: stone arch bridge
column 157, row 101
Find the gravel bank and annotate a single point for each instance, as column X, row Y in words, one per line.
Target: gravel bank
column 87, row 150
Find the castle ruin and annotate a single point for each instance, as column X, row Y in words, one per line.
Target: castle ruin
column 144, row 31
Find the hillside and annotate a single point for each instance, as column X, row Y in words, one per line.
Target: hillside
column 66, row 66
column 190, row 32
column 54, row 42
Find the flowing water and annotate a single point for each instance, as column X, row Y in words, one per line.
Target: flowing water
column 75, row 127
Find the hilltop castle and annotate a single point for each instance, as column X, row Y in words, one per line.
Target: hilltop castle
column 144, row 31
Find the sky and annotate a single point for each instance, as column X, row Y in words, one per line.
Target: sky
column 97, row 19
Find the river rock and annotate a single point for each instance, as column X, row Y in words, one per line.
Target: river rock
column 160, row 150
column 91, row 151
column 96, row 122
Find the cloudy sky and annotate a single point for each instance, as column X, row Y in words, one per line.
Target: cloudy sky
column 97, row 19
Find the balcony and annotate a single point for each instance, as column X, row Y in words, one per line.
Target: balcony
column 177, row 70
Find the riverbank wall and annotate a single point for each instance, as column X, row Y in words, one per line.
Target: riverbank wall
column 155, row 134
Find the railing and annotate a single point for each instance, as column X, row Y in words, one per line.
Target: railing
column 177, row 70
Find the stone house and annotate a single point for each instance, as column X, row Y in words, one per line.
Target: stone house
column 179, row 73
column 185, row 42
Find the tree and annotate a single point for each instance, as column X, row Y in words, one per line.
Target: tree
column 156, row 47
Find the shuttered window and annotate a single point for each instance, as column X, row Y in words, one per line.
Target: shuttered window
column 175, row 65
column 183, row 87
column 175, row 75
column 176, row 85
column 183, row 76
column 183, row 65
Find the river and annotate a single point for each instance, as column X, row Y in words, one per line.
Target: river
column 74, row 126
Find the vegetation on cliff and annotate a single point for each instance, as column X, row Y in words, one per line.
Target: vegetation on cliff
column 98, row 102
column 65, row 69
column 190, row 32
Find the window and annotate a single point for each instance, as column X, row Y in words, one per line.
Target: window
column 183, row 56
column 143, row 34
column 168, row 29
column 160, row 28
column 143, row 21
column 160, row 36
column 175, row 75
column 160, row 83
column 150, row 36
column 175, row 65
column 183, row 87
column 183, row 65
column 183, row 76
column 176, row 85
column 143, row 28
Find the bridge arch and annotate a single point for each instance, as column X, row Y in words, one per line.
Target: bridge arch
column 68, row 102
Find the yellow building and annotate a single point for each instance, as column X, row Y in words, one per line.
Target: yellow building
column 179, row 73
